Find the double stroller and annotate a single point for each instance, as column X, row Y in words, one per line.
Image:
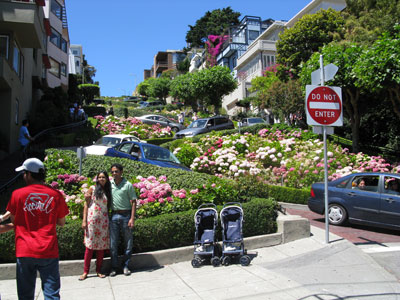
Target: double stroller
column 205, row 243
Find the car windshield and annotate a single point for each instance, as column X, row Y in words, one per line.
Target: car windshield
column 108, row 141
column 158, row 153
column 198, row 124
column 255, row 120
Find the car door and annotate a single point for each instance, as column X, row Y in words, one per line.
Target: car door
column 390, row 201
column 363, row 201
column 163, row 121
column 124, row 150
column 210, row 125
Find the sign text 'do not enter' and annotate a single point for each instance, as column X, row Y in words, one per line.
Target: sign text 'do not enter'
column 324, row 106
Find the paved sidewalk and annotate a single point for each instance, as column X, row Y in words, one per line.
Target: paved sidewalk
column 304, row 269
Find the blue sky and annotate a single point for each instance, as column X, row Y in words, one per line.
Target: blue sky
column 121, row 37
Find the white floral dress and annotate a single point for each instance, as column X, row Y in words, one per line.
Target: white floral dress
column 97, row 235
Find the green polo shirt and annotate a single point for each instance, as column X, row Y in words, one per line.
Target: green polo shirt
column 122, row 195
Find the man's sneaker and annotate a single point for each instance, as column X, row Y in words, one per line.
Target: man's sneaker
column 113, row 273
column 127, row 272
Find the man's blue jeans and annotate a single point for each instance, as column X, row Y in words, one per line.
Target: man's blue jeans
column 27, row 268
column 119, row 223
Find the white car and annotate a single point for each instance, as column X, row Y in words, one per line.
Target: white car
column 107, row 141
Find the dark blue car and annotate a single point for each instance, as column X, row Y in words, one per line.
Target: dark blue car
column 363, row 198
column 146, row 153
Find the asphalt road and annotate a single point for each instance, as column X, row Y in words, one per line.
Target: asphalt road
column 382, row 245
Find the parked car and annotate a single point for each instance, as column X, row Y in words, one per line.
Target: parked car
column 163, row 121
column 206, row 125
column 134, row 99
column 252, row 121
column 151, row 104
column 363, row 198
column 146, row 153
column 108, row 141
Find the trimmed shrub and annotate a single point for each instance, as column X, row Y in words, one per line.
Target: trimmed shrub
column 156, row 233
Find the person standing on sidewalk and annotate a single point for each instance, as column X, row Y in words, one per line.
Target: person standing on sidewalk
column 95, row 223
column 123, row 209
column 24, row 137
column 35, row 211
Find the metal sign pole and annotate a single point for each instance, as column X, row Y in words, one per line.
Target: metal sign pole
column 321, row 66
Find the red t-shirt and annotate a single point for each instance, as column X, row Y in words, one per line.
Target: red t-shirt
column 36, row 208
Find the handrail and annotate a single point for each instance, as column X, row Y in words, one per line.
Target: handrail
column 5, row 186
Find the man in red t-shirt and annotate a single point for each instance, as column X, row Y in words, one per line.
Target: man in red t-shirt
column 35, row 211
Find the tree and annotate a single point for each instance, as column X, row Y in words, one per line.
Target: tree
column 143, row 87
column 261, row 85
column 89, row 91
column 213, row 84
column 366, row 20
column 378, row 69
column 308, row 35
column 215, row 22
column 182, row 88
column 344, row 55
column 286, row 100
column 159, row 88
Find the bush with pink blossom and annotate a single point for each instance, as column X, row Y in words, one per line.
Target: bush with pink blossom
column 133, row 126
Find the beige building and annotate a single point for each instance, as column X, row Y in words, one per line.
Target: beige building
column 58, row 44
column 163, row 61
column 25, row 64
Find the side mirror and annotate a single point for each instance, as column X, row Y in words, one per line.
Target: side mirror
column 208, row 125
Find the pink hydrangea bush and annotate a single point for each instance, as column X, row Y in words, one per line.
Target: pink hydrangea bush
column 133, row 126
column 281, row 157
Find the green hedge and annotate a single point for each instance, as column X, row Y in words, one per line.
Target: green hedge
column 246, row 187
column 156, row 233
column 92, row 111
column 92, row 164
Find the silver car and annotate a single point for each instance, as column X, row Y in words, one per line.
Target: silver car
column 252, row 121
column 163, row 121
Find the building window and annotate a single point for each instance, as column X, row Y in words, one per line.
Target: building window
column 55, row 37
column 64, row 45
column 4, row 44
column 75, row 52
column 253, row 34
column 56, row 9
column 18, row 62
column 35, row 54
column 55, row 68
column 63, row 69
column 16, row 111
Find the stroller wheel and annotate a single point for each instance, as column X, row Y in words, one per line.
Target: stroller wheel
column 226, row 261
column 196, row 262
column 245, row 260
column 215, row 261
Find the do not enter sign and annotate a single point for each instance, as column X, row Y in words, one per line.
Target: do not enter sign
column 324, row 105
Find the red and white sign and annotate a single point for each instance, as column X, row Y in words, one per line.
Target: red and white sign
column 324, row 105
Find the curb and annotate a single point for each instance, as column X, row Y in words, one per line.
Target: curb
column 290, row 228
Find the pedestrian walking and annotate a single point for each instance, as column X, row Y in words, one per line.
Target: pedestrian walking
column 181, row 118
column 35, row 211
column 123, row 208
column 24, row 137
column 95, row 223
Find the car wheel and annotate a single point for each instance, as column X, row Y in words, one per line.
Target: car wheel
column 337, row 214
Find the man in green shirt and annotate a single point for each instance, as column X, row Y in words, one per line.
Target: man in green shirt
column 123, row 208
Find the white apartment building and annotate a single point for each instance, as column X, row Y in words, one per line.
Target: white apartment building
column 261, row 53
column 75, row 59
